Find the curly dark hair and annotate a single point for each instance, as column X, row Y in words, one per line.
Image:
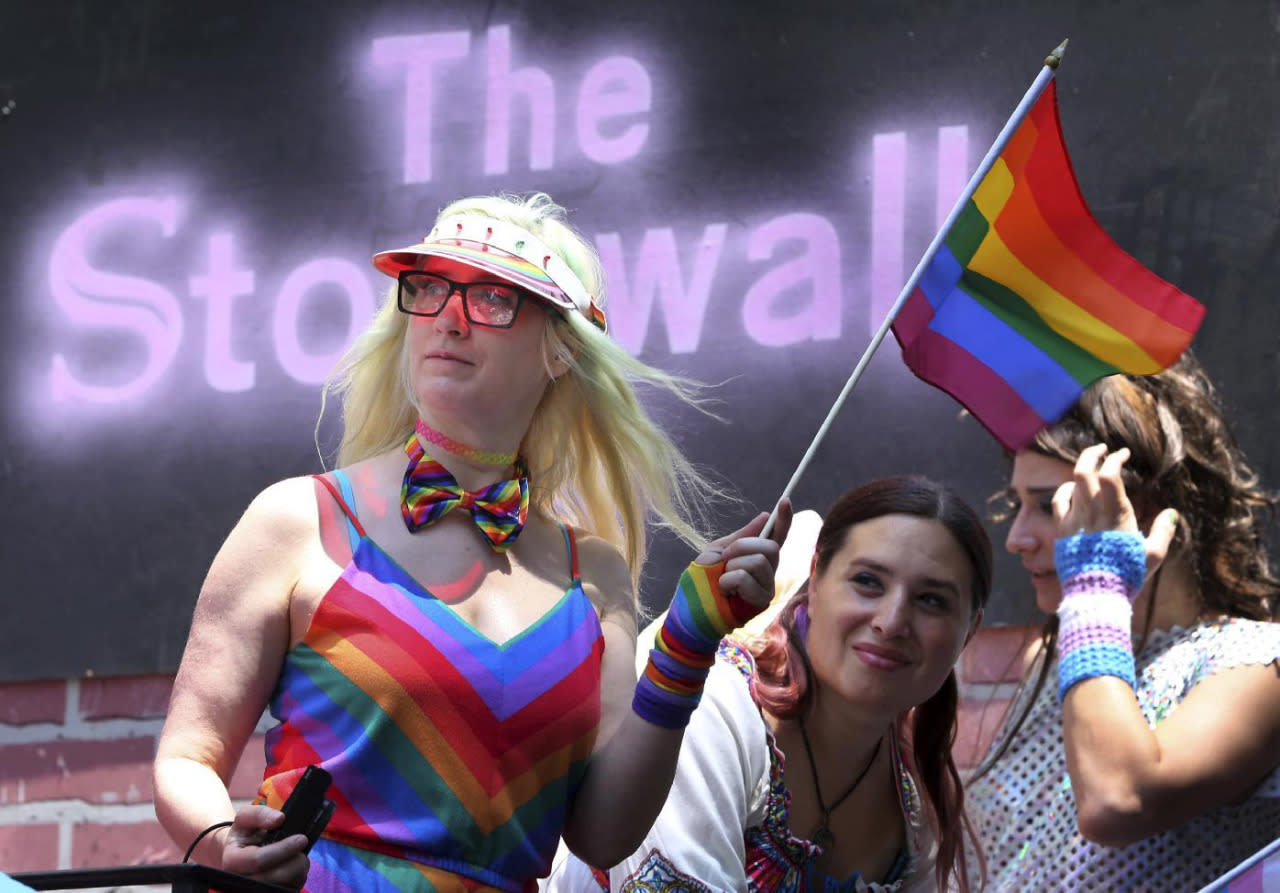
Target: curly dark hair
column 1183, row 456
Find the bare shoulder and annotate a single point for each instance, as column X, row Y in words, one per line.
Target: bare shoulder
column 286, row 507
column 1236, row 667
column 1224, row 735
column 268, row 544
column 1247, row 690
column 606, row 579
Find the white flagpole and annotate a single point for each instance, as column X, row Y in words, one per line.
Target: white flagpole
column 1028, row 100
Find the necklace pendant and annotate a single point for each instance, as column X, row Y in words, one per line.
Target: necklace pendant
column 823, row 838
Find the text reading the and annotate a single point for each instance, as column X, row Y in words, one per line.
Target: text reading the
column 614, row 95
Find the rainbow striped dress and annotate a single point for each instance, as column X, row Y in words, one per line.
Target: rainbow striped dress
column 453, row 757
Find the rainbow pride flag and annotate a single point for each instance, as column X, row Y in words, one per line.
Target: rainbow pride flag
column 1028, row 301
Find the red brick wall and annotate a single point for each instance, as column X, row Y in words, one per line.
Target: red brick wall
column 75, row 759
column 75, row 773
column 988, row 672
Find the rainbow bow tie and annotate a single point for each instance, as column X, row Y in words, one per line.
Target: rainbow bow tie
column 430, row 492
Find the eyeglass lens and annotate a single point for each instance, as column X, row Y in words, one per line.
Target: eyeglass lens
column 485, row 303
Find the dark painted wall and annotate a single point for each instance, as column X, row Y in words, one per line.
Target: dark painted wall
column 191, row 194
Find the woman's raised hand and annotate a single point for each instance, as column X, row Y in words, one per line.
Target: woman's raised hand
column 750, row 559
column 1095, row 500
column 284, row 862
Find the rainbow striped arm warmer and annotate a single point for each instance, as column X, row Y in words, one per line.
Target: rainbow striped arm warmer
column 1101, row 575
column 685, row 647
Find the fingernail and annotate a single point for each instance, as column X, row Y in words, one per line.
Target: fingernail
column 1171, row 515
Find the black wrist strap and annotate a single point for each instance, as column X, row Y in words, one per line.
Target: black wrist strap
column 199, row 837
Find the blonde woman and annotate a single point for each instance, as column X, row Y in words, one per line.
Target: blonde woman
column 446, row 623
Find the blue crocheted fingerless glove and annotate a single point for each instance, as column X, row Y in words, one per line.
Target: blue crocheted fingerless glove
column 1101, row 574
column 1116, row 554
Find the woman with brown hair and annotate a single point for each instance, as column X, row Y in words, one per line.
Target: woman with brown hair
column 1150, row 765
column 821, row 756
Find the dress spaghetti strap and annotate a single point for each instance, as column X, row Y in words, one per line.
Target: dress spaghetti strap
column 355, row 530
column 571, row 546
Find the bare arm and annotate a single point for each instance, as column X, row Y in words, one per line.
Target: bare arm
column 635, row 761
column 236, row 647
column 1131, row 781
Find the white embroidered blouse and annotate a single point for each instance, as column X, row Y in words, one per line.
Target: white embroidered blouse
column 724, row 825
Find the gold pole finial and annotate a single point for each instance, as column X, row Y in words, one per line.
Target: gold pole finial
column 1054, row 59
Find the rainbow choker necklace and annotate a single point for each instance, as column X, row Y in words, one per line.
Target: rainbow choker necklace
column 461, row 450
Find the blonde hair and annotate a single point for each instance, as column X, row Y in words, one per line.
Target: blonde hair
column 596, row 459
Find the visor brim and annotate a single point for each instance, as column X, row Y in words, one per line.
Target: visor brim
column 487, row 258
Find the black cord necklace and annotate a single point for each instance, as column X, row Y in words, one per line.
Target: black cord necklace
column 822, row 835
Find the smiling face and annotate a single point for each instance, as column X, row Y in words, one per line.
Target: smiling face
column 890, row 613
column 459, row 370
column 1035, row 479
